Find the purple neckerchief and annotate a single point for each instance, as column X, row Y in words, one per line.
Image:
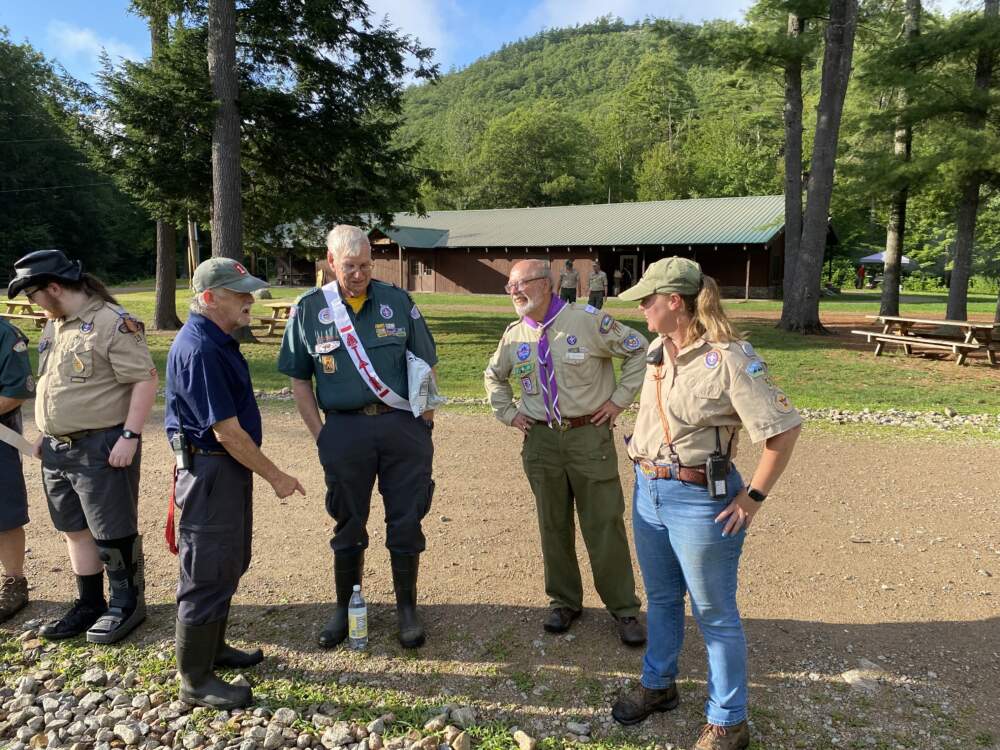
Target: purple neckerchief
column 546, row 372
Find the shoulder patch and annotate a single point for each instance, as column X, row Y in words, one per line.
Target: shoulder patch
column 607, row 322
column 747, row 348
column 632, row 343
column 756, row 369
column 781, row 403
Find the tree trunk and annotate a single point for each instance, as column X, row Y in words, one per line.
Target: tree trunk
column 996, row 315
column 793, row 158
column 227, row 217
column 968, row 207
column 800, row 312
column 227, row 220
column 165, row 307
column 896, row 231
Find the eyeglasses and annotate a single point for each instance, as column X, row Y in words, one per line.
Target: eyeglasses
column 516, row 286
column 349, row 268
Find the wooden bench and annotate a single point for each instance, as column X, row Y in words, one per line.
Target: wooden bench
column 270, row 323
column 39, row 319
column 959, row 348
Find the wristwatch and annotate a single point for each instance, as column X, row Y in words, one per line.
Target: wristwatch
column 756, row 495
column 129, row 435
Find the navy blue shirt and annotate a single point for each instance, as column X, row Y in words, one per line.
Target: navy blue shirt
column 208, row 381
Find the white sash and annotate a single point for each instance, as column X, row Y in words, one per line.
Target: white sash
column 352, row 342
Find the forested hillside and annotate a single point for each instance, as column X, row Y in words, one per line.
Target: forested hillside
column 659, row 110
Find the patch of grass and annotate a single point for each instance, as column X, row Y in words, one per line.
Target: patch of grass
column 983, row 739
column 523, row 681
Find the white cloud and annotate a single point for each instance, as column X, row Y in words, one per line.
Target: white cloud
column 71, row 44
column 559, row 13
column 424, row 19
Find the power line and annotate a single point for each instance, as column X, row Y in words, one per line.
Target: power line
column 33, row 140
column 55, row 187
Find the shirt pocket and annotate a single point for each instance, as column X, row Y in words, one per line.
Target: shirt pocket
column 78, row 361
column 700, row 402
column 580, row 373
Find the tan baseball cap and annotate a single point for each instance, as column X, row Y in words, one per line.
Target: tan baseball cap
column 225, row 273
column 668, row 276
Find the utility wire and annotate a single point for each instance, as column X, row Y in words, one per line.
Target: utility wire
column 55, row 187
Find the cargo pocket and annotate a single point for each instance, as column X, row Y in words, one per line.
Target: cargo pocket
column 207, row 554
column 602, row 463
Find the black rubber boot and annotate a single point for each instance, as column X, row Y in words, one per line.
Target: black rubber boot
column 123, row 562
column 233, row 658
column 404, row 582
column 196, row 645
column 347, row 571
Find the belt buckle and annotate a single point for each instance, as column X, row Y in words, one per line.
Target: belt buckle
column 370, row 410
column 648, row 470
column 563, row 426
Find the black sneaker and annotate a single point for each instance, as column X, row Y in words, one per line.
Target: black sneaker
column 78, row 620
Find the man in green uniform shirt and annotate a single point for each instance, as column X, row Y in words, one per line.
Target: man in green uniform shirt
column 561, row 355
column 354, row 337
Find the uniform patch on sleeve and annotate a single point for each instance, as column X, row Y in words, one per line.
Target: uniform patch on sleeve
column 20, row 345
column 523, row 351
column 130, row 325
column 415, row 313
column 528, row 385
column 591, row 309
column 525, row 369
column 781, row 403
column 607, row 322
column 747, row 348
column 756, row 369
column 632, row 343
column 712, row 359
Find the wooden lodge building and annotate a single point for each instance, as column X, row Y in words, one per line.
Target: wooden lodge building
column 738, row 241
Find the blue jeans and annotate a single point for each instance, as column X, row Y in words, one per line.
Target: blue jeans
column 681, row 549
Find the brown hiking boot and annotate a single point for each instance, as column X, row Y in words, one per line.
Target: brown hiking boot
column 714, row 737
column 641, row 702
column 13, row 596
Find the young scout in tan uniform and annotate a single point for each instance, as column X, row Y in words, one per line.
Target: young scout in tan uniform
column 96, row 386
column 560, row 355
column 691, row 507
column 569, row 280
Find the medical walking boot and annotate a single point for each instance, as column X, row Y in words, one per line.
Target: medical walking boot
column 196, row 646
column 123, row 562
column 642, row 702
column 233, row 658
column 347, row 571
column 404, row 582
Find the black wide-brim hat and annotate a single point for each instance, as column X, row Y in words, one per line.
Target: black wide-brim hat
column 43, row 266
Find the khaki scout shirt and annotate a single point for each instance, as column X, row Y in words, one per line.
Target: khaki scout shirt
column 87, row 364
column 569, row 279
column 709, row 385
column 598, row 281
column 582, row 341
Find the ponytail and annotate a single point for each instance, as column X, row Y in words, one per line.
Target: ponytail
column 708, row 319
column 92, row 286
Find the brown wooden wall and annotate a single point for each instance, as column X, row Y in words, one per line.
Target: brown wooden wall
column 485, row 270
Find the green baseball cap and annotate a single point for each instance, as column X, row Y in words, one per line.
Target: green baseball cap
column 668, row 276
column 225, row 273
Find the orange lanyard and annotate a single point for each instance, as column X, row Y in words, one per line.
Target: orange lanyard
column 659, row 377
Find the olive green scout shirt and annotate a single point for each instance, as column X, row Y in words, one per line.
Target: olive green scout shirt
column 569, row 279
column 709, row 386
column 597, row 282
column 87, row 365
column 15, row 366
column 389, row 323
column 582, row 340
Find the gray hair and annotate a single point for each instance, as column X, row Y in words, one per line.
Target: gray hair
column 198, row 305
column 345, row 240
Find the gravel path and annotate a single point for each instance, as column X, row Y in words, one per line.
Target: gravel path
column 869, row 592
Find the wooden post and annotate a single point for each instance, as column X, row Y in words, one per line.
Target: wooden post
column 747, row 296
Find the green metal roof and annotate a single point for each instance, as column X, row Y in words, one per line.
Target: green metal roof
column 698, row 221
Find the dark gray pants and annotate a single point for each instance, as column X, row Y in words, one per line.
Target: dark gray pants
column 567, row 294
column 13, row 494
column 596, row 299
column 215, row 497
column 397, row 449
column 85, row 492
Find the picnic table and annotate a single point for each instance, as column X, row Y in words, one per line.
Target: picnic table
column 926, row 333
column 22, row 309
column 277, row 316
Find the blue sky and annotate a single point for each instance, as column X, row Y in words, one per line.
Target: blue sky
column 74, row 31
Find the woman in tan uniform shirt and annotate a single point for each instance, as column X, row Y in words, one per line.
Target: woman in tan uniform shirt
column 691, row 508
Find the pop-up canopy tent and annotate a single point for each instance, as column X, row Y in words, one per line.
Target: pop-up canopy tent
column 878, row 259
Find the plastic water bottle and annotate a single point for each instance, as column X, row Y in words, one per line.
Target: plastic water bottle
column 357, row 621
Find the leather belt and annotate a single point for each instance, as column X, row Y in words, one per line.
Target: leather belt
column 571, row 423
column 684, row 474
column 203, row 452
column 369, row 410
column 81, row 434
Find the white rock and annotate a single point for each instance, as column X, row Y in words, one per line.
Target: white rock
column 284, row 716
column 337, row 735
column 524, row 741
column 274, row 737
column 578, row 727
column 128, row 732
column 462, row 742
column 857, row 680
column 95, row 676
column 91, row 700
column 436, row 724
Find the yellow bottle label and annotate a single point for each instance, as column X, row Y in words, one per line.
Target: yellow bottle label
column 357, row 624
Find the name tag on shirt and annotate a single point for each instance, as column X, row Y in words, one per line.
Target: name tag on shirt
column 575, row 358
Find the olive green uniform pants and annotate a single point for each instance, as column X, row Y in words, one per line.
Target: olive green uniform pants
column 580, row 465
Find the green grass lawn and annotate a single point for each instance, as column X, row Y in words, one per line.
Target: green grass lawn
column 815, row 371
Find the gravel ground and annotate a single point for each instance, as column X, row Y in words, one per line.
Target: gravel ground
column 869, row 592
